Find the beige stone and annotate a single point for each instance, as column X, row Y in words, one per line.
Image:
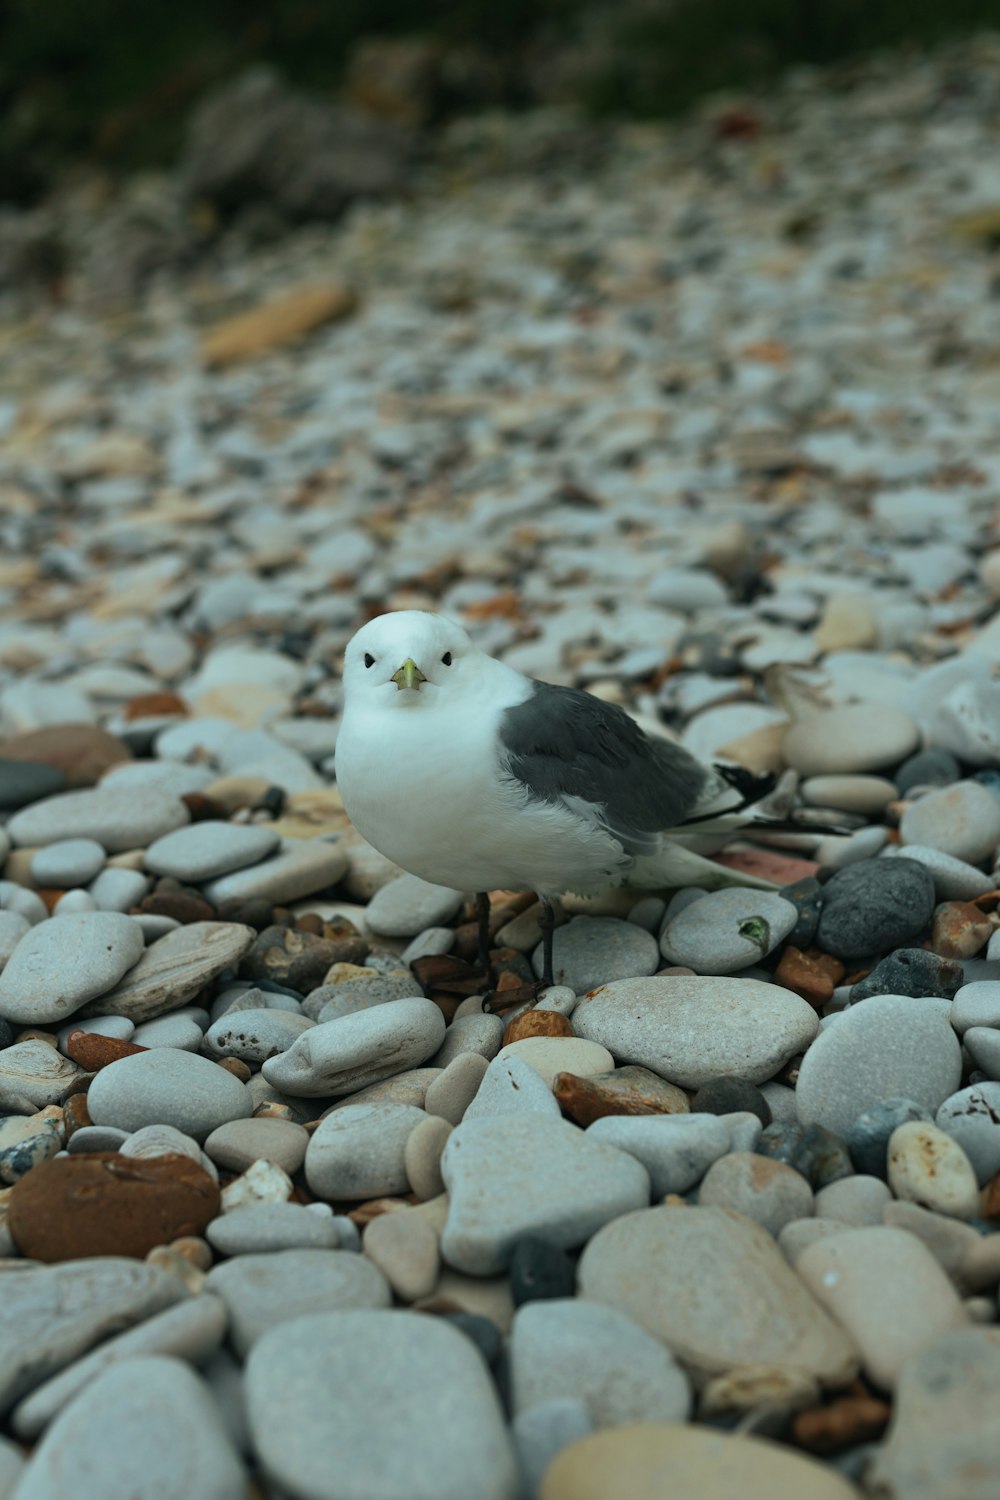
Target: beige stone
column 279, row 320
column 659, row 1459
column 886, row 1291
column 926, row 1166
column 551, row 1055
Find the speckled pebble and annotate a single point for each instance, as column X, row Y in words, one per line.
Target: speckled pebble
column 928, row 1167
column 727, row 930
column 587, row 951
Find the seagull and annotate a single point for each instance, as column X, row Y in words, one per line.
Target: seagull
column 466, row 772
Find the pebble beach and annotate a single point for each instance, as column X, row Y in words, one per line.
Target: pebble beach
column 704, row 418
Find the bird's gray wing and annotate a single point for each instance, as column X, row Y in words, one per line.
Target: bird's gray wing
column 561, row 744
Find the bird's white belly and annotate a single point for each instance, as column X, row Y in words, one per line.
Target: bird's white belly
column 441, row 810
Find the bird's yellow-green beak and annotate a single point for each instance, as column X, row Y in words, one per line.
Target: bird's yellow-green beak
column 409, row 675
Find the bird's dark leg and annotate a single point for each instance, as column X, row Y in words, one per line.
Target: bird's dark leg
column 483, row 919
column 547, row 922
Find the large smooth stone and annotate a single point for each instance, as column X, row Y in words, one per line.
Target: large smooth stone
column 343, row 1056
column 205, row 850
column 692, row 1029
column 715, row 1288
column 60, row 964
column 416, row 1414
column 262, row 1291
column 891, row 1046
column 167, row 1087
column 510, row 1176
column 117, row 817
column 851, row 738
column 148, row 1426
column 174, row 968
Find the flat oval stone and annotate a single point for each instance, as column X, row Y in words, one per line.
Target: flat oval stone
column 715, row 1288
column 512, row 1176
column 68, row 862
column 645, row 1462
column 166, row 1087
column 928, row 1167
column 954, row 879
column 255, row 1035
column 406, row 905
column 886, row 1290
column 262, row 1291
column 962, row 820
column 269, row 1227
column 727, row 930
column 145, row 1426
column 874, row 905
column 417, row 1415
column 117, row 818
column 552, row 1055
column 24, row 781
column 49, row 1315
column 35, row 1071
column 174, row 968
column 238, row 1144
column 358, row 1151
column 343, row 1056
column 208, row 849
column 299, row 868
column 107, row 1204
column 191, row 1330
column 692, row 1029
column 856, row 737
column 593, row 950
column 891, row 1046
column 61, row 964
column 856, row 794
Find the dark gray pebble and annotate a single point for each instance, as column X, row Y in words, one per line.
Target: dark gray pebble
column 816, row 1152
column 911, row 971
column 927, row 768
column 990, row 779
column 868, row 1137
column 6, row 1034
column 24, row 781
column 539, row 1270
column 483, row 1332
column 874, row 905
column 727, row 1096
column 806, row 896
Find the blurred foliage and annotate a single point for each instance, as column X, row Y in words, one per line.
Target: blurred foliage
column 113, row 79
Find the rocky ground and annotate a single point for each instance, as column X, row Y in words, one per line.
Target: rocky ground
column 705, row 419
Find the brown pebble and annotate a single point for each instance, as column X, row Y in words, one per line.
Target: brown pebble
column 194, row 1249
column 850, row 1419
column 959, row 929
column 102, row 1203
column 363, row 1213
column 237, row 1067
column 203, row 809
column 270, row 1109
column 989, row 1199
column 810, row 973
column 76, row 1114
column 627, row 1091
column 83, row 752
column 93, row 1051
column 537, row 1023
column 311, row 922
column 298, row 959
column 182, row 906
column 154, row 705
column 50, row 895
column 257, row 912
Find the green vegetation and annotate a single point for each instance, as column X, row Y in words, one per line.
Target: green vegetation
column 113, row 79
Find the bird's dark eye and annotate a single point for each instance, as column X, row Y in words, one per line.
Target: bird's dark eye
column 446, row 659
column 369, row 659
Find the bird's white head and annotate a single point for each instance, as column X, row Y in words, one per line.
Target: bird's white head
column 408, row 657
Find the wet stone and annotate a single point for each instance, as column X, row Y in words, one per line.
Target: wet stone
column 818, row 1154
column 625, row 1091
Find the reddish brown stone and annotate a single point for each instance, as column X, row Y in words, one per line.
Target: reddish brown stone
column 154, row 705
column 237, row 1067
column 537, row 1023
column 102, row 1203
column 810, row 973
column 374, row 1208
column 856, row 1417
column 959, row 929
column 989, row 1199
column 49, row 895
column 76, row 1114
column 182, row 906
column 204, row 809
column 626, row 1091
column 94, row 1052
column 83, row 752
